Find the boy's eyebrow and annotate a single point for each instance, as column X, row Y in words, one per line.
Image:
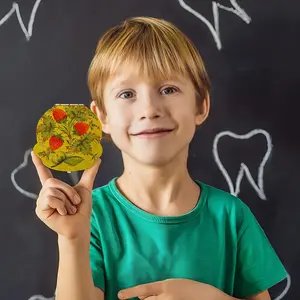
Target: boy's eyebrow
column 117, row 84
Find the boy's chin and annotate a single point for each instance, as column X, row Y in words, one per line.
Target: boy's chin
column 156, row 156
column 154, row 159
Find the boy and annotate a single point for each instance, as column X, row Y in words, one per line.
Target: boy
column 153, row 232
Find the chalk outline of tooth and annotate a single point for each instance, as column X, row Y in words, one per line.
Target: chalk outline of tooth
column 259, row 189
column 73, row 176
column 243, row 168
column 285, row 291
column 40, row 297
column 16, row 170
column 16, row 9
column 215, row 30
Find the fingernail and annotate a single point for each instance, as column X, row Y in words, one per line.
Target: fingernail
column 73, row 209
column 77, row 199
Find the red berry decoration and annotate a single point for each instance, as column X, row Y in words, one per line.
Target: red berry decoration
column 59, row 114
column 81, row 128
column 55, row 142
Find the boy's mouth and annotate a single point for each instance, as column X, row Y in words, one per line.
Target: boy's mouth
column 153, row 132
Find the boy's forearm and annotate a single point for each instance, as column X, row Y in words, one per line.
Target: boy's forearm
column 74, row 280
column 228, row 297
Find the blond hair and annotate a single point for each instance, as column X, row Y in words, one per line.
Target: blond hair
column 156, row 46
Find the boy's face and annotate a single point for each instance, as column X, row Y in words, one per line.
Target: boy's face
column 150, row 122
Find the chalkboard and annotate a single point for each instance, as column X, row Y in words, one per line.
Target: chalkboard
column 249, row 146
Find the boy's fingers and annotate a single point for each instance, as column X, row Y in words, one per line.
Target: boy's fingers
column 43, row 172
column 52, row 203
column 89, row 175
column 58, row 194
column 69, row 191
column 143, row 291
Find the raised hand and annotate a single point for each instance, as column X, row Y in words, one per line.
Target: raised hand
column 63, row 208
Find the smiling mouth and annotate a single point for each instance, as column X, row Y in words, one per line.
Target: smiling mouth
column 153, row 132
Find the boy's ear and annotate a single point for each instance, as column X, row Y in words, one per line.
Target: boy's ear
column 102, row 116
column 203, row 111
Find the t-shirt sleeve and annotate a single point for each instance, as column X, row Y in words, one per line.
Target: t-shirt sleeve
column 258, row 266
column 96, row 255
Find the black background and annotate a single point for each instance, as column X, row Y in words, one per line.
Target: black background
column 255, row 86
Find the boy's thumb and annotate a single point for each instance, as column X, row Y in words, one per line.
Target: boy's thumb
column 88, row 176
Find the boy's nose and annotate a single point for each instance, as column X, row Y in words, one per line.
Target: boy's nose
column 151, row 108
column 151, row 112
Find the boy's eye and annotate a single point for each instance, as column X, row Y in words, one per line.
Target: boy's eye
column 169, row 90
column 126, row 95
column 129, row 94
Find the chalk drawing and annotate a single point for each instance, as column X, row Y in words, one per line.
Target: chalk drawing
column 215, row 29
column 16, row 170
column 40, row 297
column 244, row 170
column 16, row 9
column 285, row 291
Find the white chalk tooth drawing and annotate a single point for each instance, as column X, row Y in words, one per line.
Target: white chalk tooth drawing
column 14, row 173
column 244, row 170
column 285, row 291
column 40, row 297
column 259, row 186
column 215, row 29
column 16, row 9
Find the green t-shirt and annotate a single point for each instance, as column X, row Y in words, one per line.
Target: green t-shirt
column 219, row 243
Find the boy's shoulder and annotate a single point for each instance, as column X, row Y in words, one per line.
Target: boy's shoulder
column 104, row 201
column 102, row 194
column 220, row 198
column 219, row 204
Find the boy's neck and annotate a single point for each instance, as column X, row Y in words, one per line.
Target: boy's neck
column 168, row 190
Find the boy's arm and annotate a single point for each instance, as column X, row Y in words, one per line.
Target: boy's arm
column 100, row 294
column 74, row 280
column 261, row 296
column 258, row 267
